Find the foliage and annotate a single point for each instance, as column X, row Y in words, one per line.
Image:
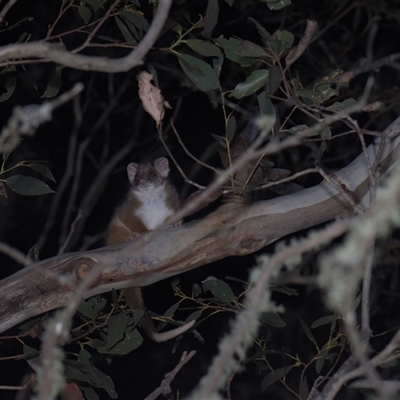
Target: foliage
column 219, row 64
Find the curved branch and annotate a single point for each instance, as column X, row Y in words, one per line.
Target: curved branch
column 234, row 229
column 49, row 51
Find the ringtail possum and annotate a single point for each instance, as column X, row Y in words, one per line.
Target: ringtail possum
column 150, row 201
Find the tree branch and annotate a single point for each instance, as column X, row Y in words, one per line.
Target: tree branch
column 51, row 52
column 234, row 229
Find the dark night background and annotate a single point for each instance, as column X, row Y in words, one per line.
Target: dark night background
column 108, row 119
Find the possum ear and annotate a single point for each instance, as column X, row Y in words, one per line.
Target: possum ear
column 162, row 166
column 132, row 169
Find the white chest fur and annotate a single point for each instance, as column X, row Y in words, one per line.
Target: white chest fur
column 154, row 210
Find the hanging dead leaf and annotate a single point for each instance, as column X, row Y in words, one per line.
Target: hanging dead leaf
column 151, row 97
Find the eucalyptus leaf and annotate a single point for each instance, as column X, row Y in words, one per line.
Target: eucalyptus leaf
column 9, row 85
column 85, row 14
column 281, row 41
column 199, row 72
column 328, row 319
column 265, row 104
column 27, row 185
column 273, row 319
column 97, row 378
column 275, row 5
column 343, row 105
column 125, row 31
column 55, row 83
column 116, row 328
column 131, row 342
column 96, row 4
column 231, row 49
column 41, row 169
column 274, row 80
column 219, row 289
column 136, row 22
column 254, row 82
column 308, row 332
column 250, row 49
column 274, row 376
column 90, row 394
column 202, row 47
column 211, row 17
column 230, row 128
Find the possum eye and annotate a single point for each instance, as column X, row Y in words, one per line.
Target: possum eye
column 152, row 174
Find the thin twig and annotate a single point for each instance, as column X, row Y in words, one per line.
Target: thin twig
column 97, row 27
column 5, row 9
column 15, row 254
column 165, row 387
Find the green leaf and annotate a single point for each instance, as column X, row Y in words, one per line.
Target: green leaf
column 41, row 169
column 323, row 92
column 230, row 128
column 319, row 365
column 328, row 319
column 199, row 72
column 136, row 23
column 203, row 48
column 85, row 13
column 304, row 389
column 125, row 32
column 285, row 290
column 254, row 82
column 55, row 83
column 116, row 328
column 9, row 85
column 90, row 394
column 281, row 41
column 74, row 370
column 250, row 49
column 97, row 378
column 265, row 105
column 308, row 332
column 274, row 80
column 211, row 17
column 274, row 376
column 219, row 289
column 27, row 185
column 132, row 341
column 273, row 319
column 297, row 128
column 229, row 2
column 342, row 105
column 325, row 133
column 96, row 4
column 231, row 48
column 220, row 139
column 275, row 5
column 92, row 307
column 29, row 352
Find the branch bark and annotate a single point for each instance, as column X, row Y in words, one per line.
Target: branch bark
column 234, row 229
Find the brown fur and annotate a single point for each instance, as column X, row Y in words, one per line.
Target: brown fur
column 149, row 184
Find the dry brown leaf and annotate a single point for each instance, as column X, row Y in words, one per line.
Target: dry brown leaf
column 151, row 97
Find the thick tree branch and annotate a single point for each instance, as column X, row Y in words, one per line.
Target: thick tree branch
column 51, row 52
column 234, row 229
